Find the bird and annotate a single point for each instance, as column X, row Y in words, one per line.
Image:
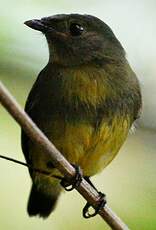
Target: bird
column 85, row 100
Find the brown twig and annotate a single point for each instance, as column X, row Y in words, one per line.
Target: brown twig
column 37, row 136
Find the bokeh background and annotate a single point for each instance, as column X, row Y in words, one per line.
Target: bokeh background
column 130, row 181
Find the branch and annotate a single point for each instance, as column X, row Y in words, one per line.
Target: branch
column 37, row 136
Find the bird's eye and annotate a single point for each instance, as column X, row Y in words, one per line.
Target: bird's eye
column 76, row 29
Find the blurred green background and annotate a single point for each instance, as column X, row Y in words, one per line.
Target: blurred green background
column 130, row 181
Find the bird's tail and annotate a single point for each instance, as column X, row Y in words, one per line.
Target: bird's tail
column 40, row 203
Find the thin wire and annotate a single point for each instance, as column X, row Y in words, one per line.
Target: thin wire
column 15, row 161
column 28, row 166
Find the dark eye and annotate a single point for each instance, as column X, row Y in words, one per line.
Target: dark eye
column 76, row 29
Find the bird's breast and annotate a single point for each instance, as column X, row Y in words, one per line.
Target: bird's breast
column 85, row 85
column 85, row 116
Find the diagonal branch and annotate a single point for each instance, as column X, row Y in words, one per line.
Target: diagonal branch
column 37, row 136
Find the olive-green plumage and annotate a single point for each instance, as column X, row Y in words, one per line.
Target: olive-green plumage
column 85, row 100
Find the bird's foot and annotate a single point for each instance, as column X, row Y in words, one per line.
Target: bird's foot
column 69, row 185
column 100, row 204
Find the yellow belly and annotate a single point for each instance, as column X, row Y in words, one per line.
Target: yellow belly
column 92, row 149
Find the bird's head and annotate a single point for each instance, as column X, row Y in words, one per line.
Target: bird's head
column 76, row 39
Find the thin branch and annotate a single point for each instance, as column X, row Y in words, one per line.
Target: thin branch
column 37, row 136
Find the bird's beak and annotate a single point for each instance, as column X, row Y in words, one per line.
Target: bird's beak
column 37, row 24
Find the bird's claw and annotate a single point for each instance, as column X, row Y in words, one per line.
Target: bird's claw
column 69, row 185
column 100, row 204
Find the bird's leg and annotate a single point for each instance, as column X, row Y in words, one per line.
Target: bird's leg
column 69, row 185
column 101, row 202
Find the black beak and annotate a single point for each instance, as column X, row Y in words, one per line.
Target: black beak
column 37, row 25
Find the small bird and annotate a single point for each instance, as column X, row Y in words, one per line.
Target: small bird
column 85, row 101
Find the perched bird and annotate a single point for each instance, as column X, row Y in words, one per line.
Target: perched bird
column 85, row 101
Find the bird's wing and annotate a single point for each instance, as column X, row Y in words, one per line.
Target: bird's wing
column 30, row 109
